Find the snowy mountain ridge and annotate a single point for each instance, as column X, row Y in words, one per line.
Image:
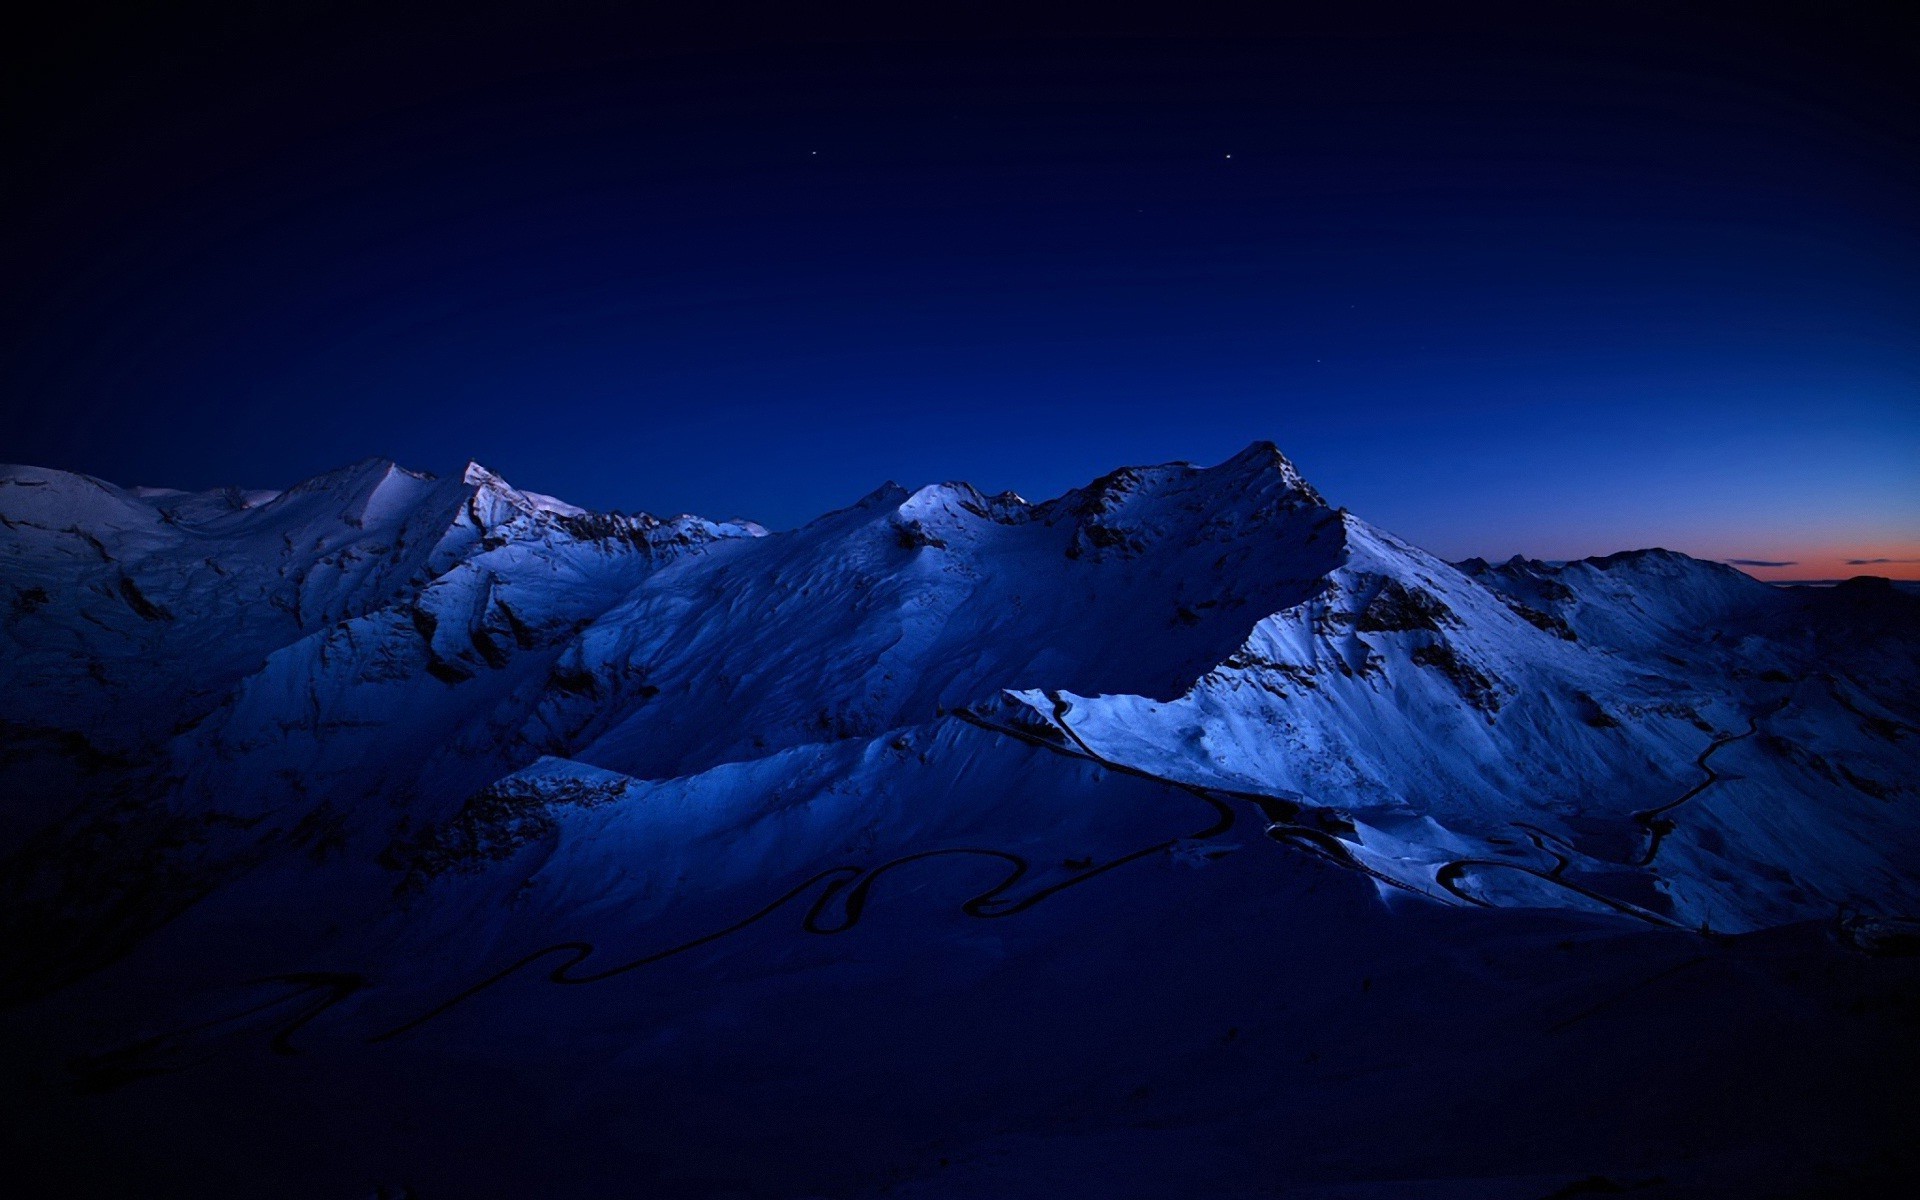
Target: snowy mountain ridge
column 377, row 632
column 360, row 763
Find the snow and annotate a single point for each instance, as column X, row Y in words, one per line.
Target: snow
column 1043, row 799
column 380, row 630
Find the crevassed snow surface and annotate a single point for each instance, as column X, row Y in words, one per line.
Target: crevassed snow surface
column 1180, row 835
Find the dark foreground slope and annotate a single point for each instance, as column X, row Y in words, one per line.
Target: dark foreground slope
column 1180, row 836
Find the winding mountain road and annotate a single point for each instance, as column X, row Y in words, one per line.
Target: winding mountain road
column 1653, row 821
column 841, row 895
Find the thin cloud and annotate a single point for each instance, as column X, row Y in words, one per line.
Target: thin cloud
column 1874, row 562
column 1759, row 562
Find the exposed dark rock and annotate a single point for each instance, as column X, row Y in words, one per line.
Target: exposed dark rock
column 1872, row 787
column 912, row 535
column 491, row 652
column 1474, row 685
column 1593, row 714
column 1397, row 608
column 1543, row 621
column 573, row 682
column 492, row 824
column 613, row 527
column 138, row 602
column 425, row 622
column 523, row 635
column 448, row 672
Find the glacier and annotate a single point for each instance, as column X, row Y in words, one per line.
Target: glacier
column 1181, row 835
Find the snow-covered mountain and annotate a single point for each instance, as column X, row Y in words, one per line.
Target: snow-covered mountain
column 353, row 767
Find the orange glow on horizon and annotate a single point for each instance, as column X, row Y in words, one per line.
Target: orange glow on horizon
column 1891, row 562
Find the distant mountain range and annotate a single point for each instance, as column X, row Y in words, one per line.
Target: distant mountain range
column 358, row 771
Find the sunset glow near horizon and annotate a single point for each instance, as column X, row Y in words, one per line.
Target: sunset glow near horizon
column 1821, row 566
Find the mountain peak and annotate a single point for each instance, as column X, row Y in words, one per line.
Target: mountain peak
column 479, row 476
column 888, row 495
column 1264, row 459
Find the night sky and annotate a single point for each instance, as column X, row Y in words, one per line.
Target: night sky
column 1495, row 285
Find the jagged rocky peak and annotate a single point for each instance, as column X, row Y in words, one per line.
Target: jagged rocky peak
column 1129, row 505
column 1258, row 478
column 1262, row 463
column 493, row 501
column 480, row 476
column 1126, row 510
column 483, row 480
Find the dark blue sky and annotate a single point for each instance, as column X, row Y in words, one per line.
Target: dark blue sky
column 1496, row 285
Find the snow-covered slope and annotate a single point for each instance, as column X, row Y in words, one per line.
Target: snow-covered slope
column 411, row 743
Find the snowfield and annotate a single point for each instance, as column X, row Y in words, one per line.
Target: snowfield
column 1182, row 835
